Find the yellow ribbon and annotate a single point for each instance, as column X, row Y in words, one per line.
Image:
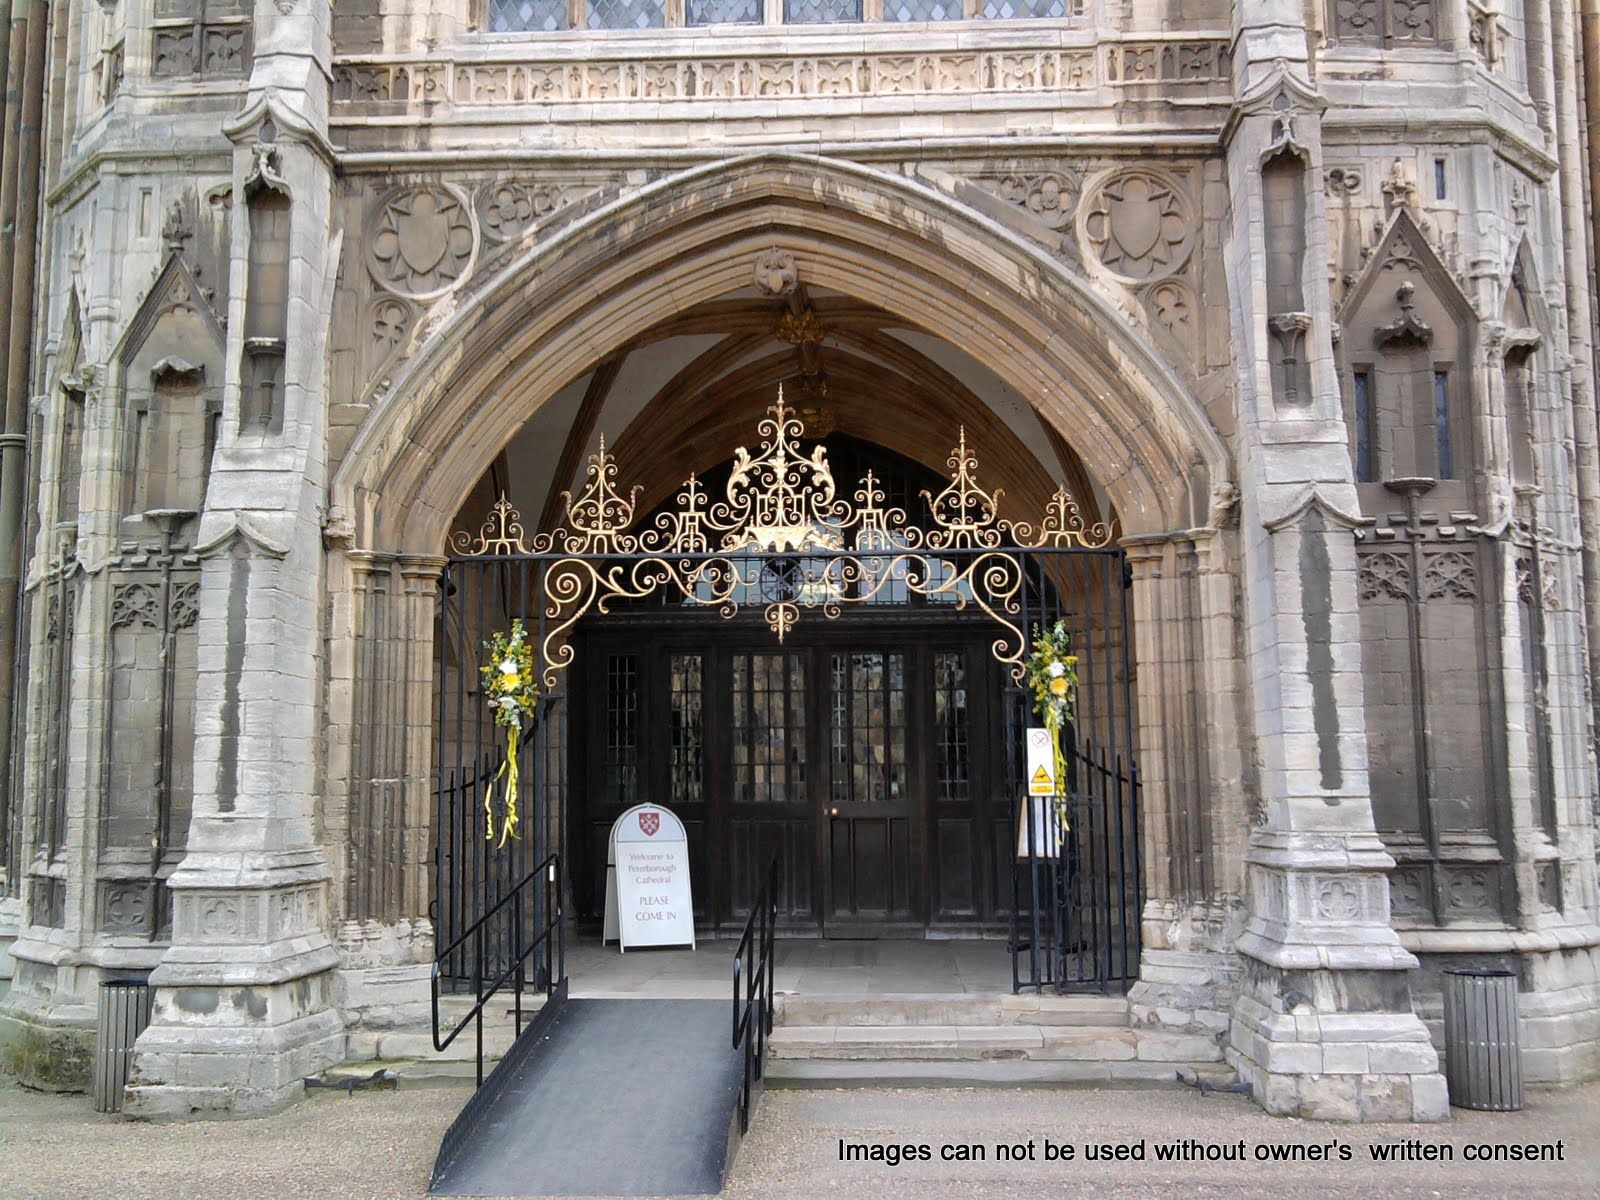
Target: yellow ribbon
column 508, row 771
column 1052, row 722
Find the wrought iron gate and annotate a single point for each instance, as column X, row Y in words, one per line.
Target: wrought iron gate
column 781, row 541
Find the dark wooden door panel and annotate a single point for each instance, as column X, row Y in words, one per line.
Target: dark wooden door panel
column 873, row 876
column 751, row 846
column 955, row 886
column 862, row 761
column 770, row 751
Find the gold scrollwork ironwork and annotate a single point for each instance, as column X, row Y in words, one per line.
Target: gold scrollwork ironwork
column 781, row 508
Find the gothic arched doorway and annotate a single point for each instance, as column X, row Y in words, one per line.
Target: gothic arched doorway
column 833, row 683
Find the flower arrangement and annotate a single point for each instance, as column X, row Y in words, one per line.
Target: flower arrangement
column 1052, row 674
column 511, row 686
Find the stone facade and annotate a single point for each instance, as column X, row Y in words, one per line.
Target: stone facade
column 1299, row 291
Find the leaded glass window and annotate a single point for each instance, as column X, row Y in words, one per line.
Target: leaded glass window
column 769, row 728
column 527, row 16
column 950, row 715
column 820, row 12
column 1007, row 10
column 1362, row 381
column 922, row 10
column 621, row 768
column 724, row 12
column 688, row 730
column 1441, row 424
column 626, row 14
column 868, row 742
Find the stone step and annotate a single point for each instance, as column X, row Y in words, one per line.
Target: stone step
column 991, row 1043
column 410, row 1072
column 945, row 1009
column 411, row 1042
column 1007, row 1073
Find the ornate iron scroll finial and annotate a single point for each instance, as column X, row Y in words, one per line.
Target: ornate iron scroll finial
column 967, row 516
column 781, row 511
column 501, row 532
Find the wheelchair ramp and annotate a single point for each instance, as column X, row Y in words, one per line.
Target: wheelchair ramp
column 609, row 1098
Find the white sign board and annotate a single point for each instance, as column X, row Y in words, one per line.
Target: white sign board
column 1038, row 828
column 649, row 901
column 1041, row 763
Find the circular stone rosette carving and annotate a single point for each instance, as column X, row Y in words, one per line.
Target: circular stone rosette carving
column 1138, row 224
column 421, row 240
column 508, row 208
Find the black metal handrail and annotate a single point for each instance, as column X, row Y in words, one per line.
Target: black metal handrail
column 519, row 951
column 752, row 964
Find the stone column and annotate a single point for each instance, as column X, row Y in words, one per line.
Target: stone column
column 244, row 1008
column 385, row 935
column 1191, row 822
column 1323, row 1025
column 420, row 574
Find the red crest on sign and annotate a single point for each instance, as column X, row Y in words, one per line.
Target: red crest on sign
column 649, row 822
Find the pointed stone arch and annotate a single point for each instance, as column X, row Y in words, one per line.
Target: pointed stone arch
column 659, row 260
column 694, row 236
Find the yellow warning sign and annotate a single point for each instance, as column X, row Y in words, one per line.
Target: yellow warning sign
column 1041, row 763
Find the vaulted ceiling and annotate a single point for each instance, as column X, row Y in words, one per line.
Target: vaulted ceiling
column 685, row 394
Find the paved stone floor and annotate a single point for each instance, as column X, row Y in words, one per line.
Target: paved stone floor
column 805, row 966
column 382, row 1145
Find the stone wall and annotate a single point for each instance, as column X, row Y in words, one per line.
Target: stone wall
column 1296, row 287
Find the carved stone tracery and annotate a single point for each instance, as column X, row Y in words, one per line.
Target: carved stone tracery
column 422, row 240
column 1196, row 63
column 1139, row 224
column 508, row 208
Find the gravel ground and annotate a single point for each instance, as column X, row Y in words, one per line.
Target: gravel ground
column 382, row 1145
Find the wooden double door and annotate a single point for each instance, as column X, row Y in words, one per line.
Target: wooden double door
column 864, row 758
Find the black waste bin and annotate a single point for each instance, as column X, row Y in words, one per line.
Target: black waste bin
column 1482, row 1060
column 124, row 1014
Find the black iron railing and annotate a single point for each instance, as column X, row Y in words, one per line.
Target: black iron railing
column 501, row 942
column 1076, row 898
column 752, row 1010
